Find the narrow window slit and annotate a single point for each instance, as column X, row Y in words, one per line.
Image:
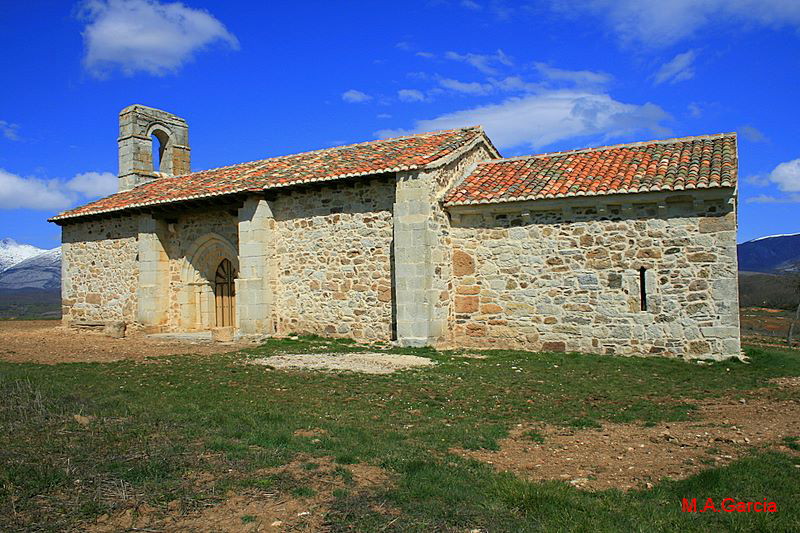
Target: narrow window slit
column 643, row 288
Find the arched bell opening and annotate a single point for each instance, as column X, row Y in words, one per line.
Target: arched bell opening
column 159, row 141
column 161, row 147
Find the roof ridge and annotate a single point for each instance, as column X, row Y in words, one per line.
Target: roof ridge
column 673, row 140
column 332, row 148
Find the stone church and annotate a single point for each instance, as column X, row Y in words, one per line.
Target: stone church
column 430, row 239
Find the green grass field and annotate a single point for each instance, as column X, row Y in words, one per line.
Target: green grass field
column 155, row 421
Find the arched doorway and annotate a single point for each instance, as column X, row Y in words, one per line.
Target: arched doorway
column 198, row 291
column 225, row 294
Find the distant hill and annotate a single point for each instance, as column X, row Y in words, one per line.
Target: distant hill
column 30, row 303
column 757, row 289
column 765, row 267
column 30, row 281
column 12, row 252
column 42, row 271
column 774, row 254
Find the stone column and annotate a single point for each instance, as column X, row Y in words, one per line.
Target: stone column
column 257, row 269
column 414, row 246
column 153, row 290
column 67, row 269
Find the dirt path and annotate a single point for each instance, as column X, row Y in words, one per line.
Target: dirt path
column 629, row 456
column 46, row 341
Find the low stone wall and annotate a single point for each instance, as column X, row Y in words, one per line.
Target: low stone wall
column 568, row 278
column 334, row 268
column 99, row 270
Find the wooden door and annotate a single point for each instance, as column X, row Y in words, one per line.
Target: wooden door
column 225, row 294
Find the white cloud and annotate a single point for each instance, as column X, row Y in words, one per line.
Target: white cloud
column 663, row 23
column 515, row 84
column 695, row 110
column 752, row 134
column 787, row 176
column 768, row 199
column 482, row 62
column 497, row 8
column 501, row 10
column 551, row 76
column 32, row 193
column 759, row 180
column 146, row 35
column 472, row 87
column 418, row 75
column 426, row 55
column 410, row 95
column 354, row 97
column 384, row 116
column 9, row 130
column 679, row 68
column 93, row 184
column 547, row 117
column 51, row 195
column 580, row 78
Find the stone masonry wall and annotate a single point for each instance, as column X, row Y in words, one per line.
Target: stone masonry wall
column 99, row 270
column 334, row 259
column 442, row 273
column 568, row 279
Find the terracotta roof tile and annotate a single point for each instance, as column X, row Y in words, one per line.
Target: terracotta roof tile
column 374, row 157
column 671, row 165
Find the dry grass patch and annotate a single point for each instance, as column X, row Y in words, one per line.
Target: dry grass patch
column 265, row 504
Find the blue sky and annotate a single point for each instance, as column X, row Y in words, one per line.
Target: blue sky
column 261, row 79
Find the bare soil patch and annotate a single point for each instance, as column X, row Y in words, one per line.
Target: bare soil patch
column 255, row 510
column 48, row 342
column 628, row 456
column 767, row 327
column 789, row 382
column 368, row 363
column 311, row 432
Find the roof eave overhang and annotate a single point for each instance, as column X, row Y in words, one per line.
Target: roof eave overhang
column 66, row 218
column 543, row 201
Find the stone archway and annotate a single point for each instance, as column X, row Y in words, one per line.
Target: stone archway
column 196, row 297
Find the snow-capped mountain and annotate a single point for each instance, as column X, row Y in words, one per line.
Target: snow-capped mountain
column 12, row 252
column 42, row 271
column 779, row 254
